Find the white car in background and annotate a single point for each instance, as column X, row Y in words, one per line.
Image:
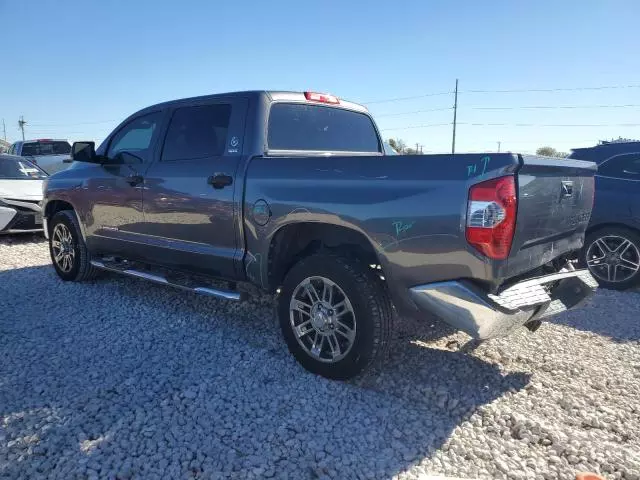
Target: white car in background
column 20, row 195
column 50, row 155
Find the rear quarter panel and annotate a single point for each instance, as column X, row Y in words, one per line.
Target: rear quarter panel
column 411, row 209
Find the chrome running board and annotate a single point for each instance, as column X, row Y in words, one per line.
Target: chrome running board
column 202, row 290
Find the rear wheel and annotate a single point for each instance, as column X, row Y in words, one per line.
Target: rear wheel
column 335, row 315
column 69, row 253
column 613, row 257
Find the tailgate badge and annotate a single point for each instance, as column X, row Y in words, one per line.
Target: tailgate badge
column 567, row 188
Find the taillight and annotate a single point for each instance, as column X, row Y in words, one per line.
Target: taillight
column 491, row 216
column 321, row 97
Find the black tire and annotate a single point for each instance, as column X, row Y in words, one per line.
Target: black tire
column 81, row 268
column 610, row 234
column 372, row 313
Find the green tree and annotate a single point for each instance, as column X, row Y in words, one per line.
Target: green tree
column 397, row 144
column 546, row 151
column 550, row 152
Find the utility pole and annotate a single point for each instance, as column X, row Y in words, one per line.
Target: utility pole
column 21, row 124
column 417, row 148
column 4, row 129
column 499, row 143
column 455, row 116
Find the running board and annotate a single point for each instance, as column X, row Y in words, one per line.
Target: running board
column 212, row 292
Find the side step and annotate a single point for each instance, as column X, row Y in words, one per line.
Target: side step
column 202, row 290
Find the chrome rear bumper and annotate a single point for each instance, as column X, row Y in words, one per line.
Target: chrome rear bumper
column 466, row 307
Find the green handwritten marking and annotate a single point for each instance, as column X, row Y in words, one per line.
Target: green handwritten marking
column 471, row 169
column 402, row 227
column 485, row 161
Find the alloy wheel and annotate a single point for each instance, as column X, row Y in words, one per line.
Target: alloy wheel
column 63, row 247
column 322, row 319
column 613, row 258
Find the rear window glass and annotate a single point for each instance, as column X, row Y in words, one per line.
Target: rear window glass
column 13, row 169
column 319, row 128
column 45, row 148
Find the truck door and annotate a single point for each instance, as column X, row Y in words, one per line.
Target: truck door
column 113, row 203
column 192, row 193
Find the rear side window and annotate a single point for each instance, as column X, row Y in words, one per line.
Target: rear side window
column 197, row 132
column 319, row 128
column 622, row 166
column 45, row 147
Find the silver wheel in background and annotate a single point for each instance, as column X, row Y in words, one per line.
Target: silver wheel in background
column 322, row 319
column 63, row 248
column 613, row 258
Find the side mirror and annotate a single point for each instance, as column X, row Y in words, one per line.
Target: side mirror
column 84, row 152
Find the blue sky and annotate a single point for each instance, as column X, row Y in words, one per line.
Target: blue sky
column 74, row 69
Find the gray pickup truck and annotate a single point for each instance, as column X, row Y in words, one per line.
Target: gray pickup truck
column 292, row 193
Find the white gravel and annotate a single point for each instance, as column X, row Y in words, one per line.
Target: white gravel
column 122, row 379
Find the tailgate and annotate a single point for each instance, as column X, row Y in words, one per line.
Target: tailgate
column 555, row 197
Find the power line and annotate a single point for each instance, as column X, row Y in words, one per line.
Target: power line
column 414, row 111
column 571, row 89
column 538, row 142
column 416, row 126
column 553, row 107
column 399, row 99
column 70, row 124
column 518, row 90
column 552, row 124
column 516, row 125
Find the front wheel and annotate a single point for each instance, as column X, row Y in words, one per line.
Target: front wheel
column 335, row 315
column 69, row 253
column 613, row 257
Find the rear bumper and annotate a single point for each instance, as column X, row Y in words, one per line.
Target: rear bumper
column 466, row 307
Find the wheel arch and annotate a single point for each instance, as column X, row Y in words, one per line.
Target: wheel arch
column 602, row 226
column 54, row 206
column 294, row 241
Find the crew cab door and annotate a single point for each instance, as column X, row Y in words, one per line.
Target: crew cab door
column 113, row 200
column 192, row 193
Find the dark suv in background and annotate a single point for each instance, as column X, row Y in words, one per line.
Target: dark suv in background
column 612, row 245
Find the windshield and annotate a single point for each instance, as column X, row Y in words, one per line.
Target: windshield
column 319, row 128
column 34, row 149
column 19, row 169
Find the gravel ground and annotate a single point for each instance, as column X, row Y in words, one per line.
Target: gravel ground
column 122, row 379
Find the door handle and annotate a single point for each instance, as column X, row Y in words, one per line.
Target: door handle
column 134, row 180
column 220, row 180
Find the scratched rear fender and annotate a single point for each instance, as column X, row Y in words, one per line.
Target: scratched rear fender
column 411, row 209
